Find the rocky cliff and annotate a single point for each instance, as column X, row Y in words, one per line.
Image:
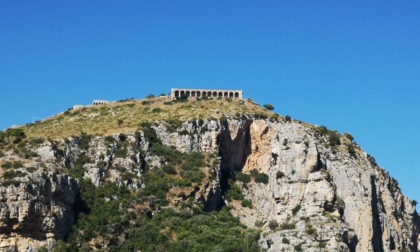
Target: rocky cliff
column 305, row 188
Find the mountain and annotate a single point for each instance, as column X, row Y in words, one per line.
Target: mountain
column 194, row 175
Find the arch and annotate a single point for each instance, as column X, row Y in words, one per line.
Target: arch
column 198, row 94
column 226, row 94
column 215, row 94
column 192, row 93
column 187, row 93
column 182, row 93
column 236, row 95
column 209, row 94
column 220, row 94
column 231, row 95
column 176, row 93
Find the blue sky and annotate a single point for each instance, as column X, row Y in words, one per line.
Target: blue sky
column 353, row 66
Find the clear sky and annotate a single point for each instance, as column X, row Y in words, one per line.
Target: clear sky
column 353, row 66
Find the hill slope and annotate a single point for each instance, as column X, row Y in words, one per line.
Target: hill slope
column 208, row 175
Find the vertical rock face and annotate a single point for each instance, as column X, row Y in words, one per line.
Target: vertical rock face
column 37, row 211
column 317, row 196
column 322, row 197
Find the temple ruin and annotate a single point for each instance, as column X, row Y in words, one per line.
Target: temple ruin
column 99, row 102
column 178, row 92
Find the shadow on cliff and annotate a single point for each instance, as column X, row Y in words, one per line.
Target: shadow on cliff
column 233, row 154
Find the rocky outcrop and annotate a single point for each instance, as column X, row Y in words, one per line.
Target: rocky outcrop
column 37, row 211
column 317, row 196
column 322, row 197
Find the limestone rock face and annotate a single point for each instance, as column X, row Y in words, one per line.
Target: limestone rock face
column 322, row 197
column 305, row 193
column 37, row 211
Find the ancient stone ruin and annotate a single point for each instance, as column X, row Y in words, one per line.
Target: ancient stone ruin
column 177, row 93
column 99, row 102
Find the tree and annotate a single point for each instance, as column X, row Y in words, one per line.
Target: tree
column 120, row 122
column 269, row 107
column 348, row 136
column 334, row 138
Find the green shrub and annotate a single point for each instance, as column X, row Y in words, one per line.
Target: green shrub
column 17, row 164
column 279, row 175
column 173, row 124
column 269, row 107
column 259, row 223
column 11, row 174
column 184, row 132
column 351, row 150
column 295, row 210
column 12, row 136
column 145, row 103
column 167, row 103
column 321, row 131
column 109, row 139
column 121, row 152
column 372, row 160
column 273, row 224
column 285, row 240
column 246, row 203
column 261, row 178
column 245, row 178
column 334, row 138
column 298, row 247
column 83, row 140
column 1, row 154
column 101, row 164
column 150, row 96
column 287, row 119
column 7, row 165
column 120, row 122
column 286, row 225
column 310, row 230
column 31, row 169
column 234, row 192
column 156, row 110
column 322, row 245
column 169, row 169
column 37, row 141
column 348, row 136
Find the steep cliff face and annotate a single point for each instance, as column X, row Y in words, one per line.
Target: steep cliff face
column 320, row 196
column 331, row 198
column 301, row 187
column 36, row 210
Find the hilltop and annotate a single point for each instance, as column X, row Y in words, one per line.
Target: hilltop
column 195, row 175
column 127, row 115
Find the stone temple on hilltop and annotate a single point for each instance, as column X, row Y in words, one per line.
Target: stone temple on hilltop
column 178, row 92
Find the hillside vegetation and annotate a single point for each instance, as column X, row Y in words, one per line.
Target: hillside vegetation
column 126, row 116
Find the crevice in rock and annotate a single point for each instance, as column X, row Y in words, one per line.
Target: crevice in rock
column 377, row 243
column 416, row 230
column 265, row 131
column 350, row 240
column 391, row 243
column 233, row 153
